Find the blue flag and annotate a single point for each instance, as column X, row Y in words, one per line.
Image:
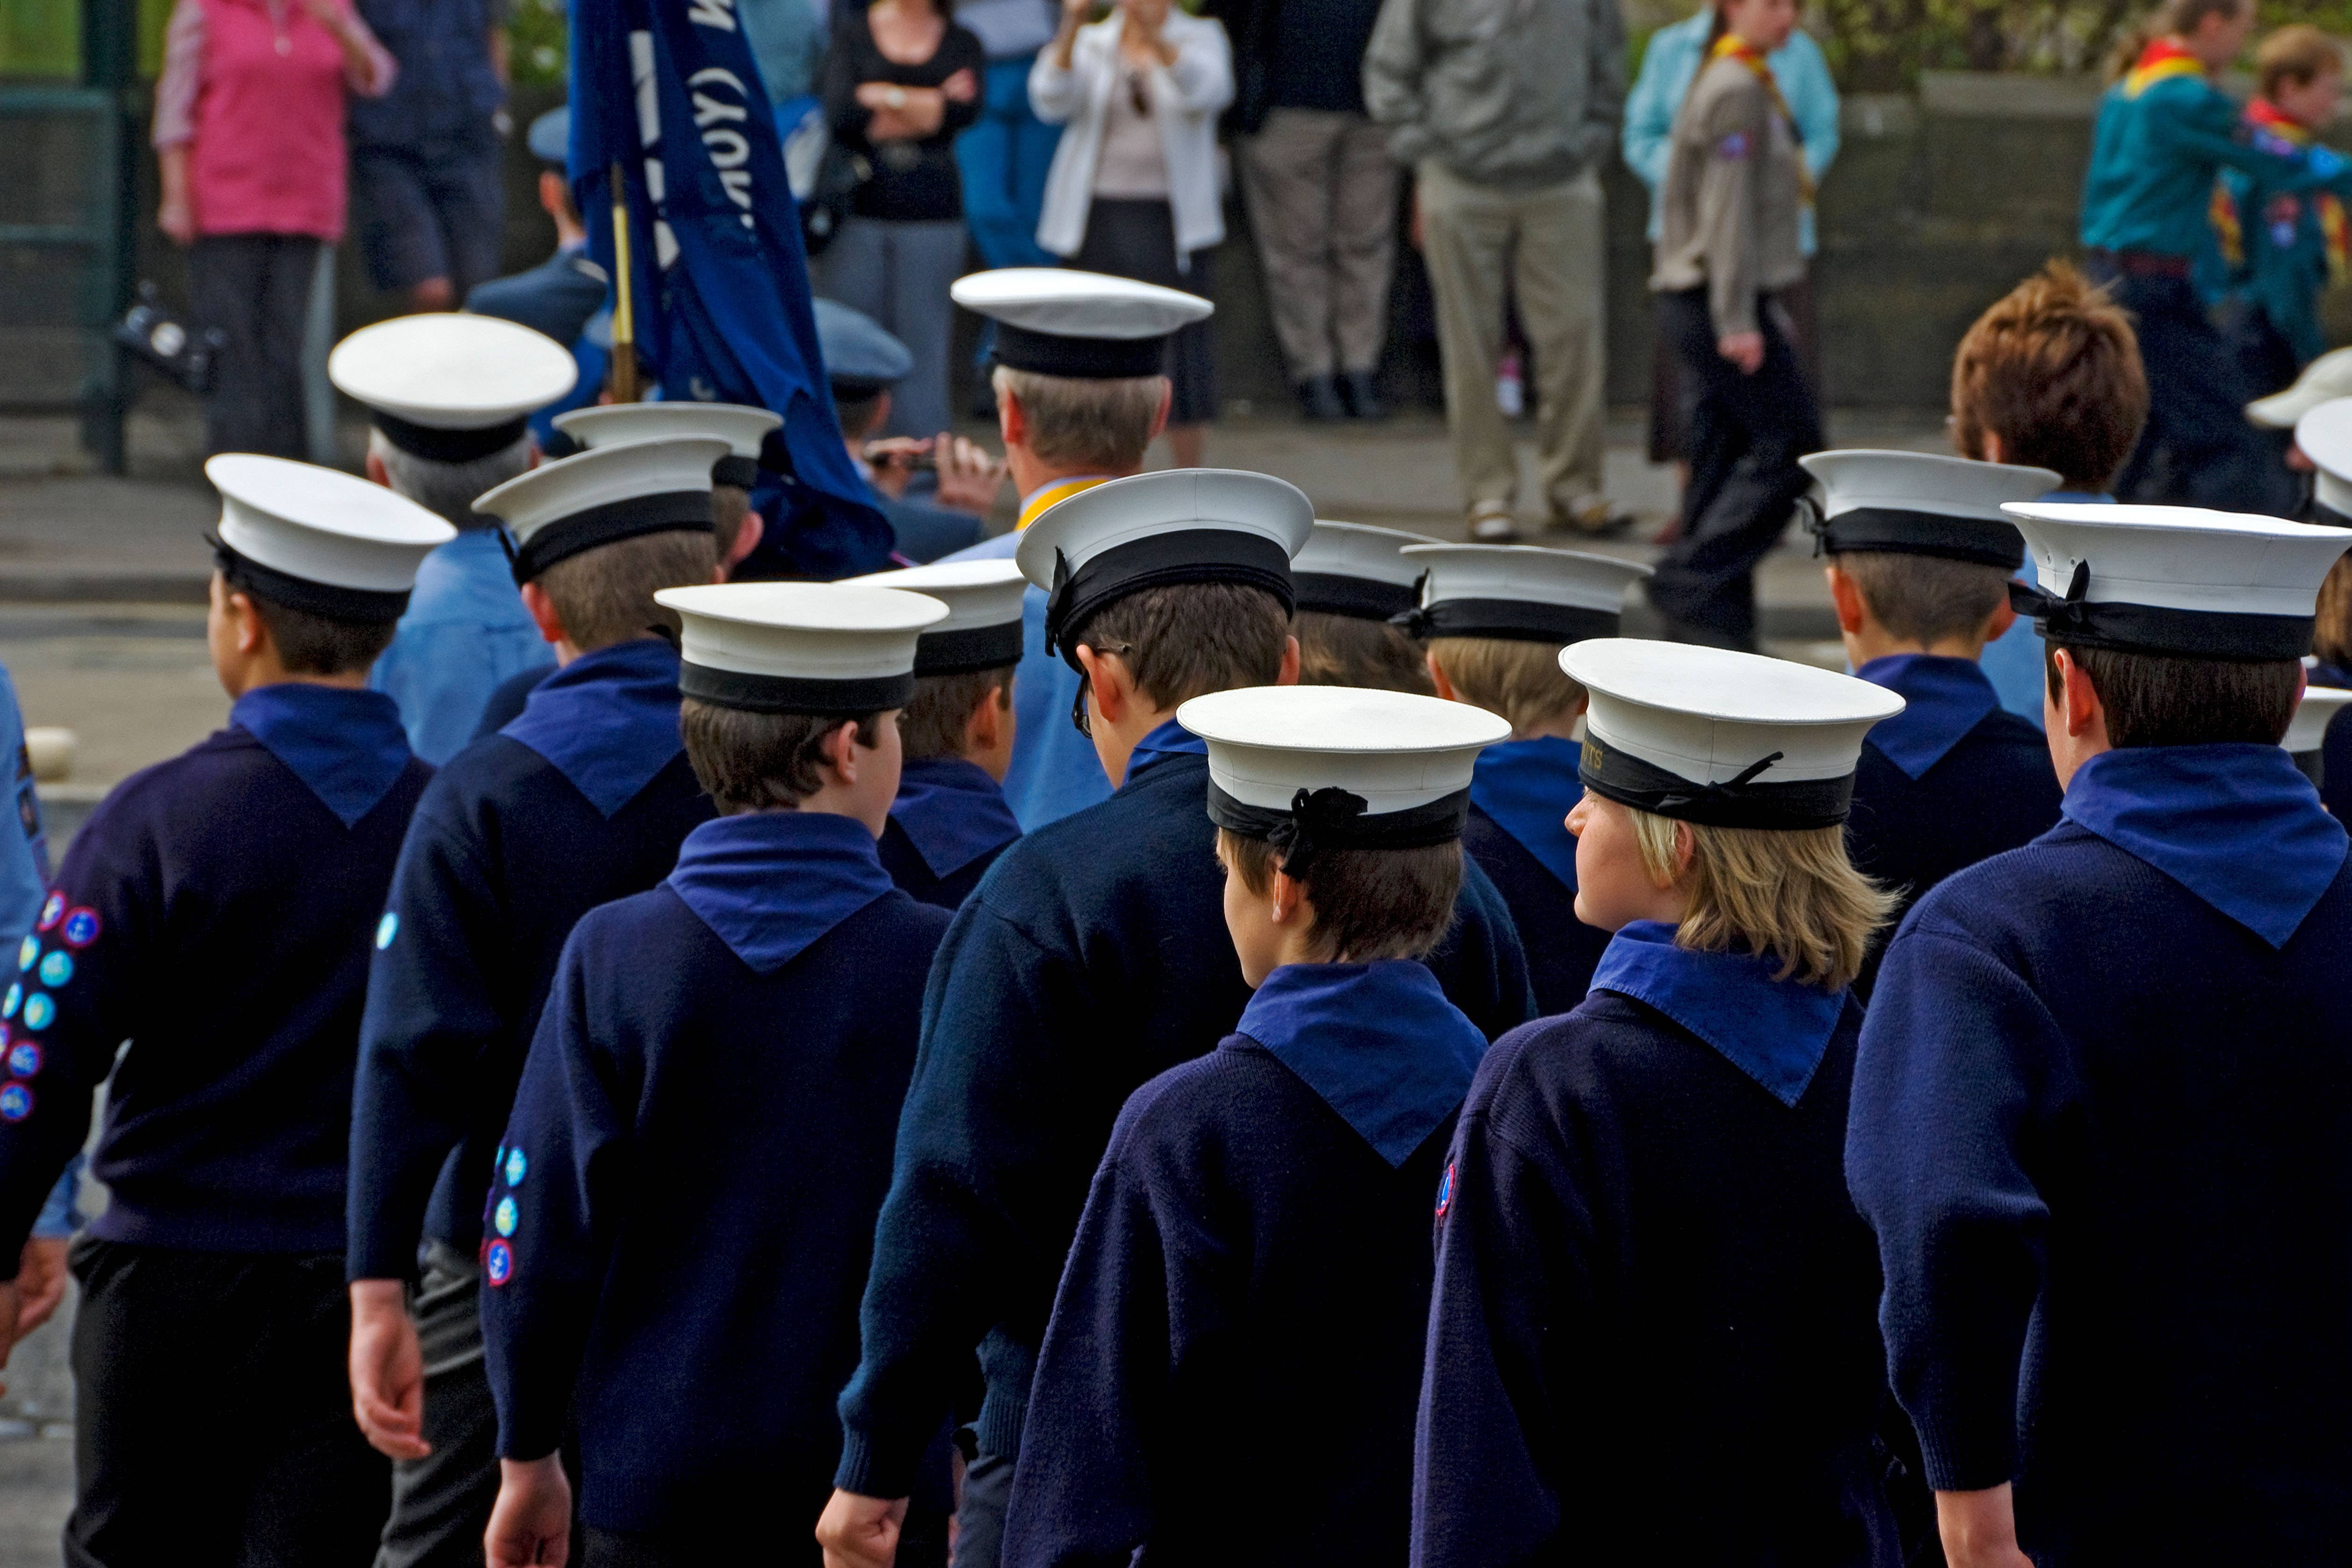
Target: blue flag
column 668, row 90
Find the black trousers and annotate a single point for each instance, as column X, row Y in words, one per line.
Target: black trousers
column 213, row 1414
column 1747, row 432
column 441, row 1503
column 2197, row 448
column 256, row 289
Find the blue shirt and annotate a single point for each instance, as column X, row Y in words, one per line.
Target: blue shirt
column 445, row 91
column 465, row 633
column 2012, row 661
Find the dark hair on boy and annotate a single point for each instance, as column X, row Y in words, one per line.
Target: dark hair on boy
column 1350, row 651
column 2159, row 700
column 2053, row 369
column 1370, row 904
column 935, row 717
column 1186, row 639
column 2295, row 56
column 1925, row 599
column 749, row 761
column 605, row 595
column 312, row 644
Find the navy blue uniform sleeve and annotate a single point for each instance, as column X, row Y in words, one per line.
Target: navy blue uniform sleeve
column 548, row 1236
column 432, row 1020
column 1959, row 1074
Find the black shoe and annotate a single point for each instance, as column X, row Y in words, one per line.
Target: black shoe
column 1318, row 398
column 1361, row 396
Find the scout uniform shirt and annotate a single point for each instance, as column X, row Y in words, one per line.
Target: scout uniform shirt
column 2280, row 250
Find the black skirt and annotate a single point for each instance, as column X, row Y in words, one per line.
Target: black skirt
column 1137, row 238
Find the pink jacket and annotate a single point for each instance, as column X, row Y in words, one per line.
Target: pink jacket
column 254, row 89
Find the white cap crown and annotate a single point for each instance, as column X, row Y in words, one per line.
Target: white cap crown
column 1394, row 750
column 452, row 371
column 321, row 526
column 740, row 426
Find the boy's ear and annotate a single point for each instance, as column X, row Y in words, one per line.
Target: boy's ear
column 252, row 631
column 840, row 750
column 1998, row 624
column 1846, row 595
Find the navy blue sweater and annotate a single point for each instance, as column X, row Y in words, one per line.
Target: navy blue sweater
column 947, row 827
column 1093, row 957
column 684, row 1205
column 2100, row 1128
column 1651, row 1340
column 214, row 912
column 1561, row 948
column 506, row 854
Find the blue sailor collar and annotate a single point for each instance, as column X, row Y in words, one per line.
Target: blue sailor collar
column 2236, row 824
column 346, row 746
column 1171, row 739
column 1529, row 787
column 1943, row 699
column 769, row 883
column 952, row 812
column 1378, row 1042
column 607, row 721
column 1774, row 1030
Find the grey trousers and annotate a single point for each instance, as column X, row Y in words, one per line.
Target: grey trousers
column 441, row 1503
column 899, row 273
column 1322, row 193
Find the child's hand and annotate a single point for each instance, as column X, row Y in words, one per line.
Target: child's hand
column 860, row 1531
column 530, row 1524
column 40, row 1284
column 388, row 1371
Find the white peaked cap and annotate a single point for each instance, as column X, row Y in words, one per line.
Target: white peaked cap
column 1708, row 717
column 2326, row 378
column 1523, row 593
column 358, row 544
column 1395, row 751
column 740, row 426
column 983, row 630
column 1351, row 569
column 602, row 495
column 451, row 371
column 2324, row 435
column 1066, row 302
column 2309, row 727
column 1923, row 503
column 799, row 647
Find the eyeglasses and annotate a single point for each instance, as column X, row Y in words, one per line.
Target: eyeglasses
column 1080, row 720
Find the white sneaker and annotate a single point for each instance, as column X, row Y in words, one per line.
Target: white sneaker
column 1493, row 523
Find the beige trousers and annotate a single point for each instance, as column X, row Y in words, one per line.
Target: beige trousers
column 1322, row 193
column 1549, row 242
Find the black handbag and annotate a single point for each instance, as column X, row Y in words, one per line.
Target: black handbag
column 837, row 180
column 189, row 360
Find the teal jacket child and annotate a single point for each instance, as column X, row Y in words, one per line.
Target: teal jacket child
column 2276, row 252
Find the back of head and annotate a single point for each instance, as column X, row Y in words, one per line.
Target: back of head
column 2054, row 371
column 1078, row 422
column 1926, row 599
column 605, row 595
column 749, row 761
column 934, row 721
column 313, row 644
column 1351, row 651
column 1519, row 681
column 1370, row 904
column 447, row 489
column 2295, row 56
column 2162, row 699
column 1792, row 894
column 1185, row 640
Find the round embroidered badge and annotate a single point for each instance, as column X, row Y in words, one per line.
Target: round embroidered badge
column 53, row 909
column 1446, row 1190
column 16, row 1102
column 386, row 929
column 25, row 1059
column 56, row 969
column 516, row 1166
column 29, row 953
column 81, row 927
column 506, row 1215
column 40, row 1011
column 11, row 1001
column 498, row 1263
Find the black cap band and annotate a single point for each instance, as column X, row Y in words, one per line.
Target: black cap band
column 366, row 606
column 670, row 511
column 1334, row 819
column 1358, row 597
column 969, row 648
column 1081, row 358
column 1186, row 555
column 2076, row 623
column 1512, row 620
column 794, row 693
column 439, row 446
column 1740, row 802
column 1888, row 530
column 741, row 472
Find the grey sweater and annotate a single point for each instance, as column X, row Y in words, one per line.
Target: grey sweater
column 1731, row 201
column 1514, row 93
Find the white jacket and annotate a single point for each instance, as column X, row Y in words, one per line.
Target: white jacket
column 1185, row 99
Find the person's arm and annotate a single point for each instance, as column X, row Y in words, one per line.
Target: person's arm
column 1392, row 64
column 960, row 93
column 174, row 131
column 844, row 113
column 1736, row 135
column 1813, row 97
column 1604, row 82
column 1647, row 139
column 368, row 66
column 1203, row 71
column 2198, row 122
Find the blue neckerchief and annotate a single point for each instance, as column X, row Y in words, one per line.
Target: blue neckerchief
column 2090, row 498
column 2235, row 824
column 1944, row 698
column 347, row 746
column 769, row 883
column 607, row 721
column 1529, row 787
column 1171, row 739
column 2324, row 675
column 1776, row 1031
column 952, row 812
column 1378, row 1042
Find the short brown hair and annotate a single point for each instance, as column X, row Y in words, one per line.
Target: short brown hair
column 1185, row 640
column 1349, row 650
column 1791, row 893
column 2053, row 369
column 1369, row 903
column 310, row 645
column 730, row 507
column 1925, row 599
column 2159, row 700
column 2296, row 55
column 1079, row 422
column 2331, row 632
column 1520, row 682
column 933, row 722
column 758, row 761
column 605, row 595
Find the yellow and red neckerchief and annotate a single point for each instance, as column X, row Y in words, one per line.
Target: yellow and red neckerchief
column 2264, row 115
column 2335, row 230
column 1046, row 497
column 2163, row 59
column 1732, row 46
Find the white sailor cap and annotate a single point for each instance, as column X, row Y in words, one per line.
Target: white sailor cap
column 604, row 494
column 2324, row 379
column 799, row 647
column 1351, row 570
column 1731, row 740
column 2178, row 580
column 744, row 427
column 1059, row 321
column 1523, row 593
column 451, row 386
column 317, row 540
column 2324, row 435
column 2308, row 728
column 1316, row 768
column 1183, row 525
column 1923, row 503
column 983, row 630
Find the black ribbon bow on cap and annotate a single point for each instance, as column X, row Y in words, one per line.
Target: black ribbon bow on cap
column 2055, row 616
column 1055, row 605
column 1318, row 820
column 1729, row 790
column 1815, row 521
column 1416, row 623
